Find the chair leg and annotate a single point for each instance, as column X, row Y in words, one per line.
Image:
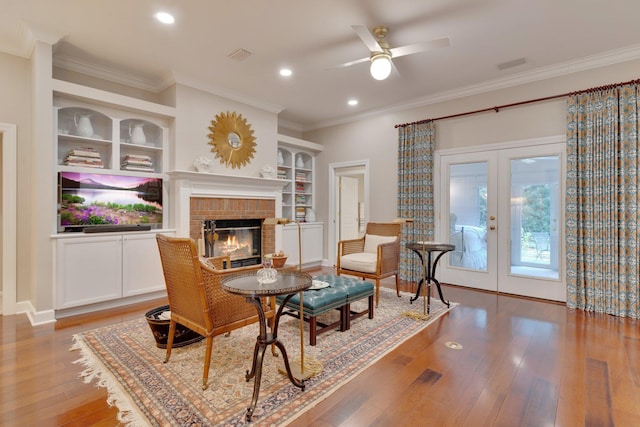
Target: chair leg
column 172, row 333
column 397, row 286
column 207, row 362
column 377, row 292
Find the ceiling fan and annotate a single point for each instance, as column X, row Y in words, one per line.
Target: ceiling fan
column 382, row 53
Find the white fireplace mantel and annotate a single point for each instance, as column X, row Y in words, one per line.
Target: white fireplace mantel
column 187, row 184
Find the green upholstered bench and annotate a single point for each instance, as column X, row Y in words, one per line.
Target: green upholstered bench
column 356, row 289
column 316, row 302
column 341, row 293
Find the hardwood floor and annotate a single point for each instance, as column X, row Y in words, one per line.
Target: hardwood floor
column 523, row 363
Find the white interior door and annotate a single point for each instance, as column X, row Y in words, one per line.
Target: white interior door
column 502, row 209
column 348, row 209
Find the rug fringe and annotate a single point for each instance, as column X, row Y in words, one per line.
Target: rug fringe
column 95, row 371
column 417, row 316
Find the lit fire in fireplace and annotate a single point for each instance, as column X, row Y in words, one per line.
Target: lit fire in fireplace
column 237, row 247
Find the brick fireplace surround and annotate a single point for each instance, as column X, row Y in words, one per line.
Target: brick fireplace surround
column 199, row 196
column 216, row 208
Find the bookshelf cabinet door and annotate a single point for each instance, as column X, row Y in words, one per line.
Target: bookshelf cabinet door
column 89, row 270
column 141, row 267
column 312, row 246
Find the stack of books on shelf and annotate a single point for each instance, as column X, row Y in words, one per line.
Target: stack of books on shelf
column 137, row 162
column 300, row 187
column 86, row 157
column 301, row 176
column 301, row 199
column 300, row 214
column 282, row 174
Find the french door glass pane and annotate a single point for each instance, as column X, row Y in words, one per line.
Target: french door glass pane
column 534, row 216
column 468, row 215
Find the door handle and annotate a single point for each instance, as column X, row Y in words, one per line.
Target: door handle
column 492, row 218
column 492, row 227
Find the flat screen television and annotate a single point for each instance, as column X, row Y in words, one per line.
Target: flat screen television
column 91, row 200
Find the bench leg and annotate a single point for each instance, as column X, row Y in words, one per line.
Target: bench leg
column 346, row 315
column 370, row 306
column 313, row 326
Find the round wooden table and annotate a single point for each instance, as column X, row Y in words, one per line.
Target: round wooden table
column 246, row 284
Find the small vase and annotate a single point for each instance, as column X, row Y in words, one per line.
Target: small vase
column 136, row 132
column 310, row 215
column 280, row 158
column 83, row 125
column 299, row 162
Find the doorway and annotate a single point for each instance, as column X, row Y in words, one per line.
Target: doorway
column 8, row 188
column 348, row 202
column 502, row 208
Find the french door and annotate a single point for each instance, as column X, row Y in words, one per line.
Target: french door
column 503, row 210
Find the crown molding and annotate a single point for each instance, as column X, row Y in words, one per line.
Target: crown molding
column 285, row 124
column 155, row 85
column 612, row 57
column 28, row 35
column 106, row 73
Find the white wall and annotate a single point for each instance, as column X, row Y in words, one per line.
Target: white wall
column 195, row 111
column 15, row 104
column 376, row 139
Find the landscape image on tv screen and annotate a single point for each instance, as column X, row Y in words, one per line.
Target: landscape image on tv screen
column 87, row 199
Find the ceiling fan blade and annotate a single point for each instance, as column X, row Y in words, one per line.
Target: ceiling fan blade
column 368, row 38
column 419, row 47
column 350, row 63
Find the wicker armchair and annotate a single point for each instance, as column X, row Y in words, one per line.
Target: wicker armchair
column 373, row 256
column 196, row 299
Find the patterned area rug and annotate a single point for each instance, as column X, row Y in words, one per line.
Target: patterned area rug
column 124, row 359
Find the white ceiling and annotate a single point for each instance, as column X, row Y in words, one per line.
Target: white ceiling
column 120, row 39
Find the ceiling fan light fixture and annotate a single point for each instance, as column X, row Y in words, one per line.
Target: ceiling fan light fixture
column 380, row 65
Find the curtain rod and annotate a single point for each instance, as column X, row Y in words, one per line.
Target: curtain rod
column 516, row 104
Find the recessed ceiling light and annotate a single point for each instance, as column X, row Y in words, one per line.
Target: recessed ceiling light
column 352, row 102
column 285, row 72
column 165, row 18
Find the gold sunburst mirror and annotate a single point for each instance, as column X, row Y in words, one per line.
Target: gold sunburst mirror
column 232, row 139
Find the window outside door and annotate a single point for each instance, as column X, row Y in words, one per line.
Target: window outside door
column 503, row 210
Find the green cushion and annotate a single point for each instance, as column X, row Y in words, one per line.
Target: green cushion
column 318, row 301
column 355, row 288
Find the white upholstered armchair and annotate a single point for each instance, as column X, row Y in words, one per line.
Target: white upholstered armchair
column 373, row 256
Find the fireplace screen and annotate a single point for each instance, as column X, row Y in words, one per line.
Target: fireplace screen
column 240, row 239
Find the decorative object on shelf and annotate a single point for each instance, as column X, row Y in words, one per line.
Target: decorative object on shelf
column 268, row 171
column 136, row 132
column 232, row 139
column 83, row 125
column 86, row 157
column 299, row 162
column 280, row 158
column 203, row 164
column 137, row 162
column 311, row 215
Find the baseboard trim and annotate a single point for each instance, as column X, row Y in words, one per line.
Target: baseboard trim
column 84, row 309
column 35, row 317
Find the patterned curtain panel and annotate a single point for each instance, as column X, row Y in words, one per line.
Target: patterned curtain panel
column 415, row 190
column 602, row 201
